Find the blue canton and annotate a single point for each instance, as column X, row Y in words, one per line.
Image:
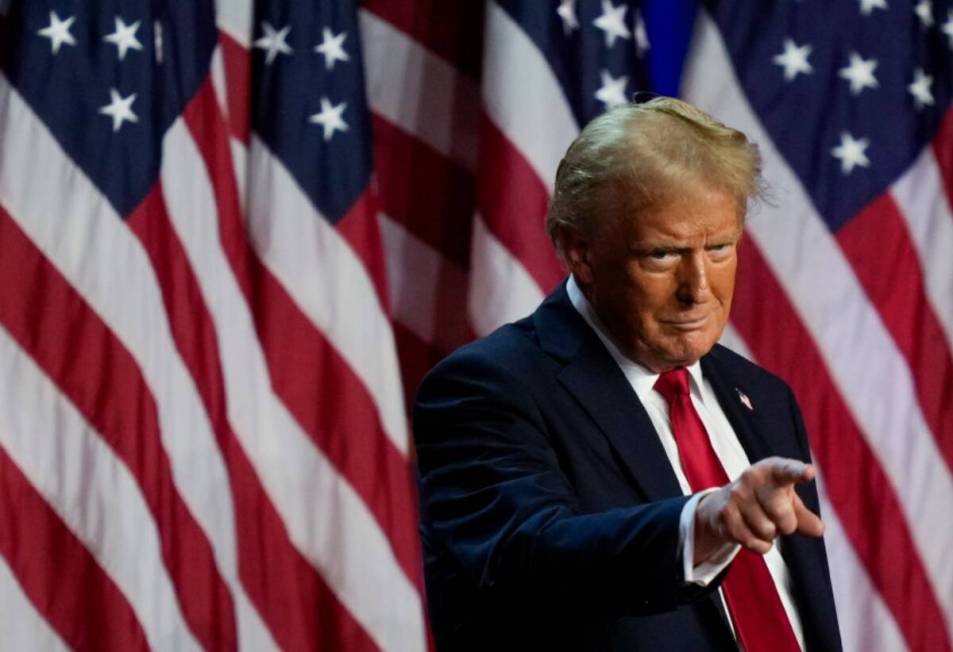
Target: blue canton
column 108, row 79
column 851, row 92
column 309, row 106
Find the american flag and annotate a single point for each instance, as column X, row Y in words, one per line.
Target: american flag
column 228, row 232
column 203, row 442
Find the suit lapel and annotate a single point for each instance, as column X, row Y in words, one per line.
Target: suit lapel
column 595, row 380
column 729, row 394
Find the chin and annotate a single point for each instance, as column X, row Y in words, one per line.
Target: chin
column 688, row 355
column 664, row 352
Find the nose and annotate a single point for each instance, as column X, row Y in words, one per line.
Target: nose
column 693, row 284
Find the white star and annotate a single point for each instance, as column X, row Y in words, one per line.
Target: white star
column 612, row 91
column 120, row 109
column 274, row 42
column 920, row 88
column 851, row 153
column 157, row 38
column 332, row 48
column 124, row 38
column 860, row 73
column 330, row 118
column 567, row 12
column 612, row 22
column 867, row 6
column 948, row 27
column 58, row 32
column 924, row 11
column 794, row 59
column 641, row 36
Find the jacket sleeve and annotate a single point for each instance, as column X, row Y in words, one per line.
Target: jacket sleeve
column 495, row 500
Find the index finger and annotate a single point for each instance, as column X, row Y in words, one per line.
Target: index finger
column 786, row 471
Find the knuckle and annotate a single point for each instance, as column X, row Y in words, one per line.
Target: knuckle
column 733, row 526
column 730, row 514
column 776, row 510
column 739, row 494
column 788, row 524
column 755, row 544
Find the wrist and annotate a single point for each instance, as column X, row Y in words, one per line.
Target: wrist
column 707, row 539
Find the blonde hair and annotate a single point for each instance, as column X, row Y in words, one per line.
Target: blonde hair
column 645, row 154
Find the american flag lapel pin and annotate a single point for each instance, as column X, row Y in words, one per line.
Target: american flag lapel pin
column 744, row 399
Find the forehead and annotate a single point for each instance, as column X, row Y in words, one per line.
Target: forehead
column 699, row 214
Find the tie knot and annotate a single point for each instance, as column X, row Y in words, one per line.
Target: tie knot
column 672, row 384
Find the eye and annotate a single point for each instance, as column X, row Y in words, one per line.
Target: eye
column 721, row 250
column 658, row 259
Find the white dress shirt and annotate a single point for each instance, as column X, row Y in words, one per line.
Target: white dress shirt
column 724, row 441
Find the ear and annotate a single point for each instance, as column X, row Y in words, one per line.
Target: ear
column 576, row 254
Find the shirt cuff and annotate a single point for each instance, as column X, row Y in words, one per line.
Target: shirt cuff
column 706, row 571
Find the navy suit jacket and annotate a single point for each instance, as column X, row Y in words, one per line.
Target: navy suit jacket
column 550, row 510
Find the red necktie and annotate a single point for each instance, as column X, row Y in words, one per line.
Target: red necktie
column 756, row 610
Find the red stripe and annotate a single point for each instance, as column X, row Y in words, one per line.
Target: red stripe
column 237, row 62
column 360, row 228
column 308, row 375
column 943, row 151
column 284, row 587
column 859, row 490
column 92, row 367
column 427, row 193
column 74, row 595
column 451, row 329
column 452, row 30
column 513, row 203
column 416, row 359
column 878, row 246
column 334, row 408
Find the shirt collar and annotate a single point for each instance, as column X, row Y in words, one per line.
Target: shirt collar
column 642, row 379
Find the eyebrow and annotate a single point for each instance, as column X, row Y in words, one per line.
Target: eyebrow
column 669, row 246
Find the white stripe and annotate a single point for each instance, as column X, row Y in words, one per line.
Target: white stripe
column 428, row 292
column 237, row 148
column 866, row 625
column 92, row 247
column 327, row 280
column 219, row 83
column 863, row 360
column 185, row 199
column 501, row 290
column 240, row 164
column 235, row 18
column 94, row 494
column 523, row 98
column 924, row 205
column 327, row 521
column 21, row 626
column 420, row 92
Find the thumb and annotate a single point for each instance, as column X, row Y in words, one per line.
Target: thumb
column 808, row 523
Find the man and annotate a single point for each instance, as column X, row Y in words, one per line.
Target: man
column 602, row 475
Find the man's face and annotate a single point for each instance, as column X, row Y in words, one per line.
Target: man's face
column 662, row 281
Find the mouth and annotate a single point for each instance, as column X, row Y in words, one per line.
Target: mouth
column 687, row 324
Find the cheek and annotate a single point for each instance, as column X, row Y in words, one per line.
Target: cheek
column 646, row 304
column 723, row 284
